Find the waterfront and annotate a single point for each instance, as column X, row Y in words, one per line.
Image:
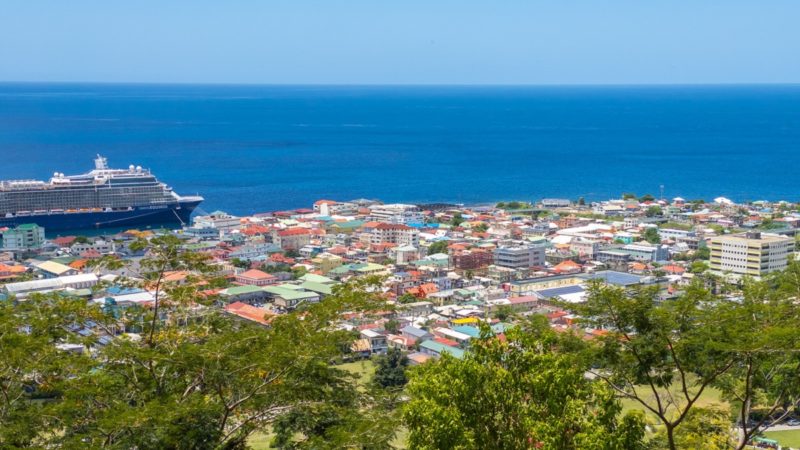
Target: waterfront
column 249, row 149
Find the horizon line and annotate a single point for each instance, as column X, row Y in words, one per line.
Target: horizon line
column 409, row 85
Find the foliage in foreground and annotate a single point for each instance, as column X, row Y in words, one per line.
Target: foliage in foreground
column 523, row 392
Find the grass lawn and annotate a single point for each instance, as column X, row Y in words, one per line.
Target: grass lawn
column 710, row 396
column 788, row 438
column 365, row 369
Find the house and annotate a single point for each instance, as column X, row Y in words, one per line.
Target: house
column 290, row 296
column 255, row 277
column 416, row 334
column 436, row 349
column 377, row 341
column 8, row 272
column 248, row 312
column 52, row 269
column 24, row 288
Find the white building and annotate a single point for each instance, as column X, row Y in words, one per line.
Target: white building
column 395, row 234
column 753, row 254
column 519, row 256
column 396, row 213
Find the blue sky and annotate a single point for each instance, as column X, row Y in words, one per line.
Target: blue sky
column 401, row 41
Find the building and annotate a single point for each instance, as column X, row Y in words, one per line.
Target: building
column 556, row 203
column 389, row 233
column 24, row 288
column 255, row 277
column 647, row 253
column 753, row 254
column 472, row 259
column 397, row 213
column 28, row 236
column 292, row 238
column 521, row 256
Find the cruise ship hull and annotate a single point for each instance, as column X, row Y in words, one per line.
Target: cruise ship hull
column 172, row 214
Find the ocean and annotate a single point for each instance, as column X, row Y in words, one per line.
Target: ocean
column 251, row 149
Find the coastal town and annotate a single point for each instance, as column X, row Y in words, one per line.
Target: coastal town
column 444, row 269
column 448, row 279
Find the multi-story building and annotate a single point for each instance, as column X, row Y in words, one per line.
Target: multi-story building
column 390, row 233
column 519, row 256
column 24, row 237
column 647, row 253
column 396, row 213
column 219, row 220
column 292, row 238
column 471, row 259
column 751, row 253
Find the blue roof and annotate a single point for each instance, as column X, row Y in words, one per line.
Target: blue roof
column 413, row 331
column 468, row 330
column 560, row 291
column 122, row 290
column 441, row 348
column 615, row 278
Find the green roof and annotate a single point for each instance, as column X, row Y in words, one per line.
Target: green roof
column 317, row 279
column 369, row 267
column 240, row 290
column 289, row 294
column 317, row 287
column 348, row 224
column 441, row 348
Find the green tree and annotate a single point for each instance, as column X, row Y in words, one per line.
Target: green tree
column 581, row 201
column 240, row 263
column 650, row 347
column 521, row 393
column 698, row 267
column 702, row 253
column 437, row 247
column 391, row 369
column 407, row 298
column 392, row 326
column 514, row 205
column 628, row 196
column 646, row 198
column 503, row 313
column 500, row 205
column 197, row 378
column 654, row 211
column 457, row 219
column 480, row 228
column 651, row 235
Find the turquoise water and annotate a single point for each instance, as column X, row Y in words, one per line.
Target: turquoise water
column 263, row 148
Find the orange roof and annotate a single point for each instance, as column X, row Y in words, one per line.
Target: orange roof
column 245, row 311
column 672, row 268
column 78, row 264
column 566, row 266
column 256, row 274
column 14, row 269
column 321, row 202
column 179, row 275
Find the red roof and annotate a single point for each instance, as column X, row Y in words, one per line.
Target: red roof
column 294, row 232
column 392, row 226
